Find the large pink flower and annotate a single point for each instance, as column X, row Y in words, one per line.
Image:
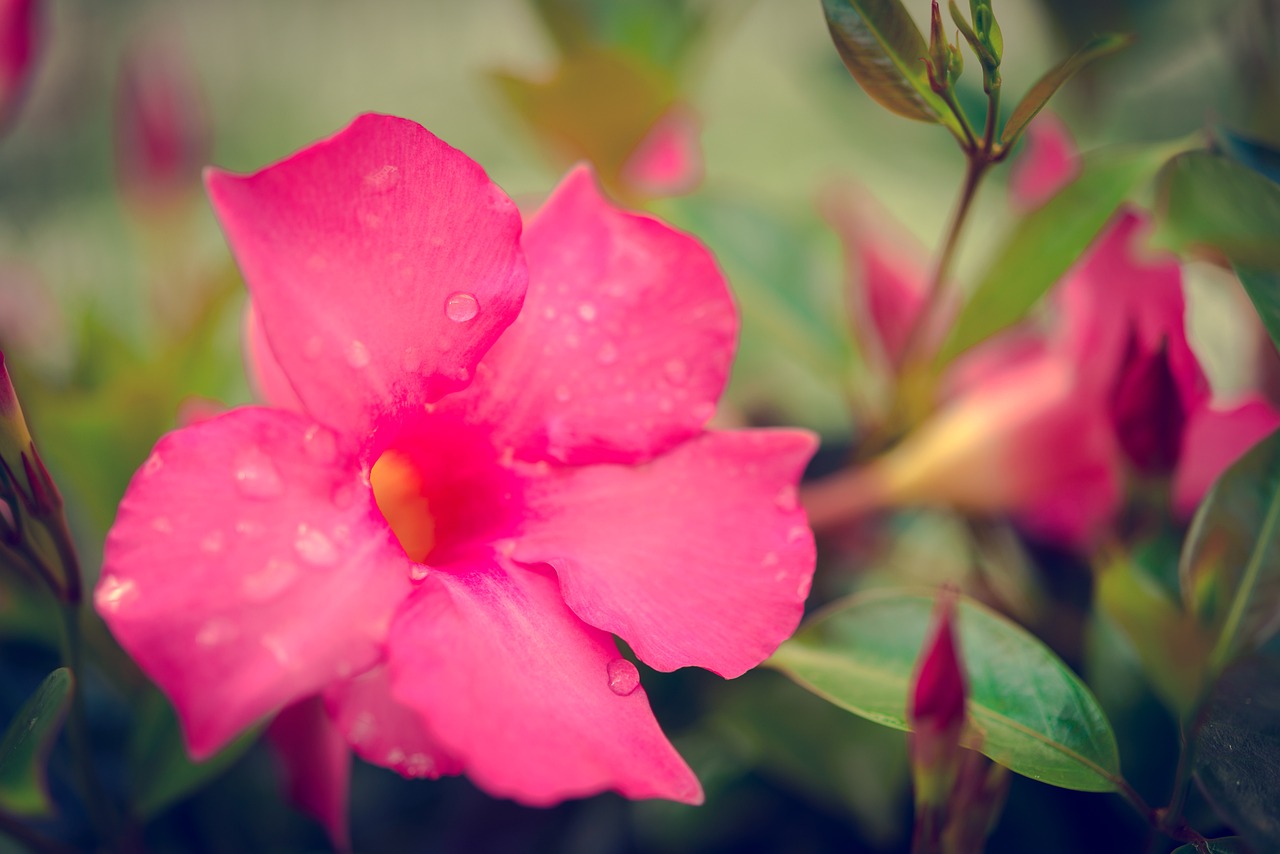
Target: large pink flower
column 462, row 490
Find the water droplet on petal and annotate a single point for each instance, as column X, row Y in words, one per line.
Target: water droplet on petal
column 786, row 499
column 216, row 632
column 249, row 528
column 256, row 476
column 418, row 572
column 362, row 728
column 587, row 312
column 313, row 348
column 276, row 647
column 607, row 354
column 797, row 533
column 314, row 547
column 677, row 371
column 213, row 542
column 623, row 677
column 382, row 180
column 395, row 756
column 804, row 585
column 418, row 765
column 153, row 464
column 665, row 405
column 357, row 354
column 162, row 525
column 320, row 443
column 114, row 592
column 770, row 559
column 411, row 360
column 269, row 581
column 563, row 394
column 461, row 307
column 703, row 411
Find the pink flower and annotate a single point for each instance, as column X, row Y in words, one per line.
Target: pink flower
column 668, row 160
column 19, row 36
column 456, row 500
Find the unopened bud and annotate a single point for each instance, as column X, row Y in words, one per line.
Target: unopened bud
column 15, row 438
column 936, row 711
column 1147, row 410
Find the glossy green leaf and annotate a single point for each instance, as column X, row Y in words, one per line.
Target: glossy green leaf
column 1225, row 845
column 26, row 745
column 163, row 772
column 1230, row 567
column 1046, row 242
column 1207, row 201
column 1263, row 288
column 884, row 50
column 1237, row 758
column 1027, row 710
column 1052, row 81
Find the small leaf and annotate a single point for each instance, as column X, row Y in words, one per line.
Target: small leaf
column 1230, row 567
column 27, row 743
column 1238, row 750
column 1263, row 288
column 1027, row 710
column 1210, row 201
column 1225, row 845
column 885, row 51
column 1052, row 81
column 1047, row 241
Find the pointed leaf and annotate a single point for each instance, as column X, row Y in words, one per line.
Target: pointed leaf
column 1052, row 81
column 1210, row 201
column 1263, row 288
column 1046, row 242
column 27, row 743
column 1238, row 750
column 1230, row 567
column 884, row 50
column 1027, row 710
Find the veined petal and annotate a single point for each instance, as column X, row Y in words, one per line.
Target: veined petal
column 382, row 262
column 537, row 705
column 625, row 340
column 317, row 765
column 385, row 732
column 248, row 567
column 700, row 557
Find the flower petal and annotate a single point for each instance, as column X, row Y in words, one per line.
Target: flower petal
column 700, row 557
column 623, row 346
column 249, row 567
column 1214, row 439
column 385, row 732
column 1049, row 162
column 383, row 264
column 317, row 765
column 668, row 161
column 264, row 372
column 539, row 706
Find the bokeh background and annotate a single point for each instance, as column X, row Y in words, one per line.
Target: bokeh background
column 120, row 310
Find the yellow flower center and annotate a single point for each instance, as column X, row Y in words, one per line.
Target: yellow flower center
column 399, row 490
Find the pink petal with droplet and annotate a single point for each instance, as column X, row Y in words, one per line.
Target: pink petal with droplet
column 317, row 765
column 624, row 344
column 248, row 567
column 519, row 689
column 385, row 732
column 1216, row 437
column 382, row 263
column 701, row 557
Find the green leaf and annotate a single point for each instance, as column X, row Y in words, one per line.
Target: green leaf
column 1237, row 758
column 884, row 50
column 1209, row 201
column 1047, row 241
column 1027, row 710
column 1230, row 567
column 1225, row 845
column 164, row 773
column 27, row 743
column 1263, row 288
column 1052, row 81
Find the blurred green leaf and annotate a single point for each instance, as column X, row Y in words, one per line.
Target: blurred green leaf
column 1225, row 845
column 163, row 771
column 1209, row 201
column 1052, row 81
column 884, row 51
column 1263, row 288
column 1048, row 241
column 1257, row 155
column 26, row 745
column 1027, row 710
column 1238, row 751
column 1230, row 567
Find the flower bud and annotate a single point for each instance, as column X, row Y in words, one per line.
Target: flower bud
column 1147, row 410
column 18, row 36
column 15, row 438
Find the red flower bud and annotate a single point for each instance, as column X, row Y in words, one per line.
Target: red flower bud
column 938, row 695
column 1147, row 409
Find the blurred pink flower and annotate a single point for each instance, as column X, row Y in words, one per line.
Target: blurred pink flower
column 455, row 500
column 668, row 161
column 19, row 21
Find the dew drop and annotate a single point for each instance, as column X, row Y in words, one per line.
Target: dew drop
column 461, row 307
column 313, row 348
column 563, row 394
column 587, row 312
column 114, row 592
column 549, row 313
column 314, row 547
column 276, row 647
column 382, row 180
column 256, row 475
column 362, row 728
column 677, row 371
column 703, row 411
column 162, row 525
column 418, row 572
column 797, row 533
column 770, row 559
column 152, row 465
column 269, row 581
column 786, row 499
column 216, row 632
column 213, row 542
column 357, row 354
column 804, row 585
column 249, row 528
column 418, row 765
column 623, row 677
column 395, row 756
column 411, row 360
column 607, row 354
column 320, row 443
column 665, row 405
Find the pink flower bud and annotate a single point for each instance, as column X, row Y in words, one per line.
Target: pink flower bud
column 938, row 694
column 18, row 36
column 1147, row 410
